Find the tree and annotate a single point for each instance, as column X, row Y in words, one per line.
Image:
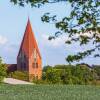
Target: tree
column 82, row 25
column 83, row 73
column 3, row 70
column 67, row 74
column 97, row 70
column 45, row 68
column 53, row 76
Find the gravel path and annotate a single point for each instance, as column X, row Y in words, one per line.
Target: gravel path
column 15, row 81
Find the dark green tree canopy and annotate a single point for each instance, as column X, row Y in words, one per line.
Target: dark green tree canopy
column 82, row 25
column 3, row 70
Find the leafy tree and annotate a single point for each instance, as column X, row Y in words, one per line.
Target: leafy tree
column 66, row 76
column 45, row 68
column 3, row 70
column 84, row 74
column 53, row 76
column 62, row 66
column 82, row 25
column 97, row 70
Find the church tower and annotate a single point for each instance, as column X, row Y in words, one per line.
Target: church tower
column 29, row 58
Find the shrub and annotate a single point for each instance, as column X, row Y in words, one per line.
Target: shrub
column 40, row 82
column 3, row 70
column 97, row 71
column 68, row 74
column 20, row 75
column 53, row 76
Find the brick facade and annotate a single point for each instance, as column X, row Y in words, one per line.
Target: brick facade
column 29, row 58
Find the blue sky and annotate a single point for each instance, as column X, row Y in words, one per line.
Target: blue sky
column 13, row 20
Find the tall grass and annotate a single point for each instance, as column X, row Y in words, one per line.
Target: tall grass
column 49, row 92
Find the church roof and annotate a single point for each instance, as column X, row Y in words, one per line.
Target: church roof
column 29, row 42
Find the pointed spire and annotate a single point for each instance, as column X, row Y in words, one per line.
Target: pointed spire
column 28, row 27
column 28, row 22
column 29, row 42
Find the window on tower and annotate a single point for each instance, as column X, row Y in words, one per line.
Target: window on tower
column 35, row 65
column 34, row 54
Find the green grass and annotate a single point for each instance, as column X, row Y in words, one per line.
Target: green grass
column 49, row 92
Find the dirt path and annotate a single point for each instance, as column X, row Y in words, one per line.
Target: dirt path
column 15, row 81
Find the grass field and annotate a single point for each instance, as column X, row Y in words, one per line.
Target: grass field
column 49, row 92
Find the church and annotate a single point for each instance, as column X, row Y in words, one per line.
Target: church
column 29, row 57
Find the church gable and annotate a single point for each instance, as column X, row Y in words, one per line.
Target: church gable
column 29, row 58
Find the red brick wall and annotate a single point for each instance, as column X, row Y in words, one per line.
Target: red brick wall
column 27, row 48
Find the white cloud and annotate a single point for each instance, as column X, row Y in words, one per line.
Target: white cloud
column 56, row 42
column 61, row 40
column 11, row 48
column 3, row 40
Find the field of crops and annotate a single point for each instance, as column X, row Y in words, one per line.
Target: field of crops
column 49, row 92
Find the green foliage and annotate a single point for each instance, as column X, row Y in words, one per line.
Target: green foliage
column 97, row 70
column 35, row 3
column 69, row 74
column 53, row 76
column 40, row 81
column 20, row 75
column 45, row 68
column 84, row 74
column 62, row 66
column 3, row 69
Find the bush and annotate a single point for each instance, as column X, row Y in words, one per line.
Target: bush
column 3, row 70
column 53, row 76
column 68, row 74
column 40, row 82
column 97, row 71
column 20, row 75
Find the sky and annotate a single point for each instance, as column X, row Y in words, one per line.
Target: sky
column 13, row 20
